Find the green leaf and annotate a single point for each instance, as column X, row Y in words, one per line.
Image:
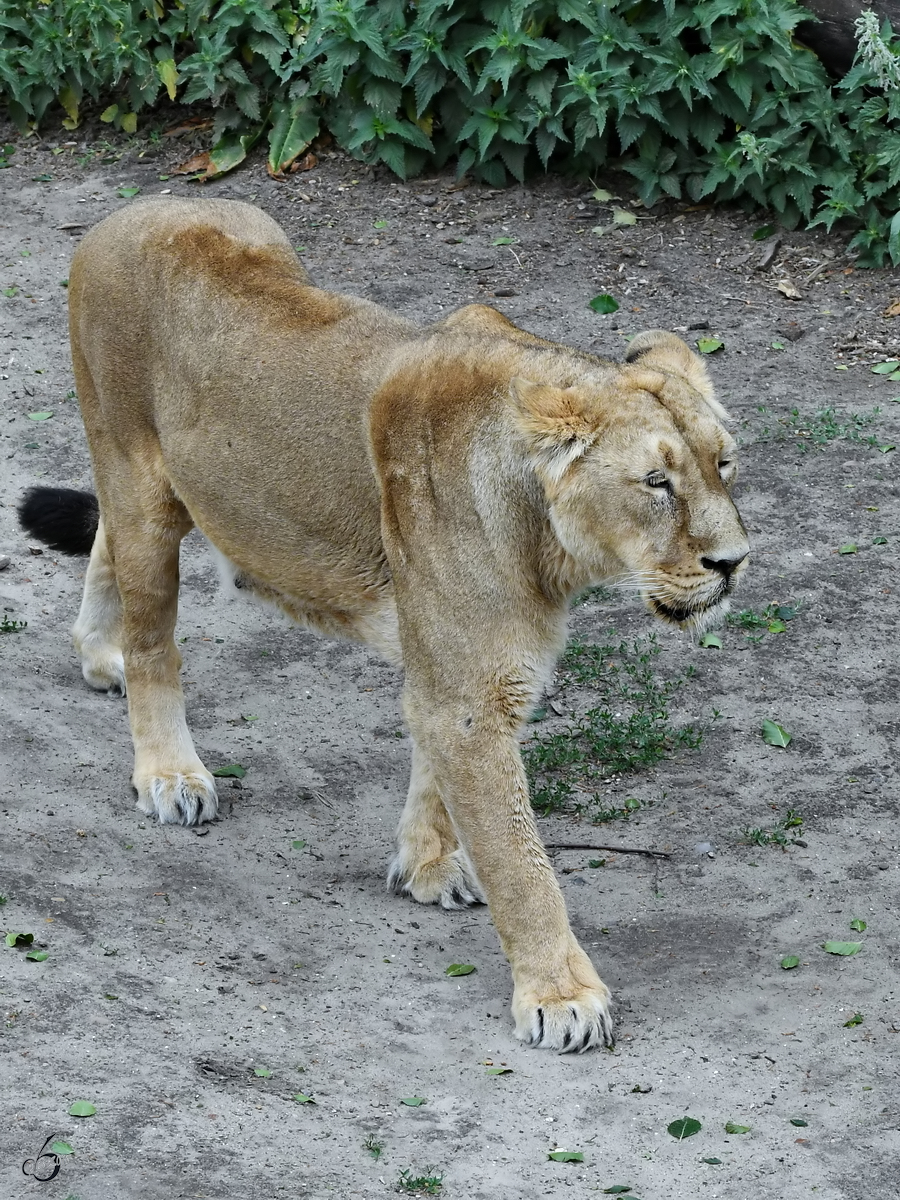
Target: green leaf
column 776, row 626
column 684, row 1127
column 602, row 196
column 711, row 641
column 127, row 192
column 129, row 122
column 38, row 955
column 230, row 151
column 262, row 1072
column 764, row 231
column 504, row 241
column 499, row 1070
column 888, row 448
column 536, row 715
column 885, row 368
column 380, row 224
column 61, row 1148
column 233, row 770
column 843, row 948
column 621, row 216
column 565, row 1155
column 858, row 925
column 848, row 548
column 604, row 303
column 713, row 1162
column 799, row 1122
column 19, row 939
column 617, row 1189
column 459, row 969
column 789, row 962
column 109, row 114
column 596, row 862
column 168, row 73
column 856, row 1019
column 45, row 178
column 413, row 1101
column 293, row 127
column 10, row 292
column 302, row 1098
column 299, row 844
column 774, row 735
column 81, row 1108
column 709, row 345
column 730, row 1127
column 40, row 416
column 777, row 345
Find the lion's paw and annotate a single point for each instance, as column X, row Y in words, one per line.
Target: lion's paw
column 102, row 666
column 571, row 1023
column 449, row 881
column 178, row 798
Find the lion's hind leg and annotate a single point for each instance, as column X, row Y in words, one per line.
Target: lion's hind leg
column 430, row 865
column 97, row 633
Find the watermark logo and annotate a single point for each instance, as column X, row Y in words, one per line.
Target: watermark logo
column 45, row 1165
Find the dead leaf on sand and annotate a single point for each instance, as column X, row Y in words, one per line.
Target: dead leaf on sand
column 892, row 310
column 787, row 289
column 197, row 162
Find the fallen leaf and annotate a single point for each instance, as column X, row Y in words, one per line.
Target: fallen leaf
column 709, row 345
column 799, row 1122
column 713, row 1162
column 617, row 1189
column 19, row 939
column 499, row 1071
column 789, row 962
column 61, row 1148
column 684, row 1127
column 262, row 1072
column 127, row 192
column 858, row 925
column 301, row 1098
column 81, row 1108
column 774, row 735
column 848, row 548
column 843, row 948
column 197, row 162
column 892, row 310
column 299, row 844
column 787, row 289
column 565, row 1155
column 604, row 304
column 413, row 1101
column 711, row 641
column 459, row 969
column 886, row 368
column 856, row 1019
column 38, row 955
column 504, row 241
column 730, row 1127
column 764, row 231
column 233, row 770
column 41, row 416
column 602, row 196
column 621, row 216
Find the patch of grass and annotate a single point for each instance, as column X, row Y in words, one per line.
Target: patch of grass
column 421, row 1185
column 9, row 626
column 598, row 594
column 777, row 834
column 825, row 425
column 629, row 729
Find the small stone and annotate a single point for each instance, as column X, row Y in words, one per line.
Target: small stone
column 800, row 842
column 505, row 292
column 35, row 550
column 428, row 200
column 699, row 325
column 883, row 866
column 5, row 560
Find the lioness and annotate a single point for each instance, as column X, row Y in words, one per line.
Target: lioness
column 439, row 493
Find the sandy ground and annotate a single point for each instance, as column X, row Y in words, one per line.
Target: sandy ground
column 197, row 981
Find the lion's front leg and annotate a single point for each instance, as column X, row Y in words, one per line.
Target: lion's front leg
column 430, row 864
column 559, row 1001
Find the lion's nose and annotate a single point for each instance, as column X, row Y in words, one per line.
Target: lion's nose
column 725, row 566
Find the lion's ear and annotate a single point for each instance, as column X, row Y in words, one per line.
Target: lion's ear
column 662, row 351
column 553, row 422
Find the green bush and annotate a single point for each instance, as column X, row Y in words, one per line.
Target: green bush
column 713, row 99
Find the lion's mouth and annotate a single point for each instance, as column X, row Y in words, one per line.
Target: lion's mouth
column 697, row 613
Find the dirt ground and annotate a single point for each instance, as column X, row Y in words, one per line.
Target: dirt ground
column 198, row 980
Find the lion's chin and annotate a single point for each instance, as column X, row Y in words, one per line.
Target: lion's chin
column 696, row 618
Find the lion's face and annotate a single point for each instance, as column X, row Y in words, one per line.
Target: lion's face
column 638, row 473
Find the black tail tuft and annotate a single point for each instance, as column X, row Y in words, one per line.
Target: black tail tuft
column 61, row 518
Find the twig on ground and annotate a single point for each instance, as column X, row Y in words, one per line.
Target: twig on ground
column 617, row 849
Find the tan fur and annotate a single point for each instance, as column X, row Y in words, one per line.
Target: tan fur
column 439, row 492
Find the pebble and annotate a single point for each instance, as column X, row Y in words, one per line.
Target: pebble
column 428, row 200
column 5, row 560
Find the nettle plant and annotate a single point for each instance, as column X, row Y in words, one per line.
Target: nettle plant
column 713, row 99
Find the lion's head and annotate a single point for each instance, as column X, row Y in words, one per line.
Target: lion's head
column 637, row 468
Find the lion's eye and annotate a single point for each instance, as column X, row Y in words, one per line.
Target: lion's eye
column 656, row 479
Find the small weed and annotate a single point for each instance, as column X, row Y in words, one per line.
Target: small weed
column 777, row 835
column 423, row 1185
column 374, row 1147
column 8, row 626
column 598, row 594
column 772, row 619
column 631, row 728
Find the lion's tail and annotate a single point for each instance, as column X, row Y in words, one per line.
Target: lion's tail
column 62, row 518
